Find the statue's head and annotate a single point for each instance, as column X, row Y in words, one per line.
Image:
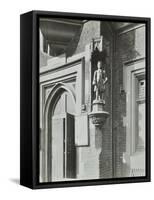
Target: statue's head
column 99, row 65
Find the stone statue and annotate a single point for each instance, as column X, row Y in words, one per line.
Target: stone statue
column 99, row 82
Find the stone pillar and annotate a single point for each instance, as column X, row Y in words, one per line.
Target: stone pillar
column 98, row 117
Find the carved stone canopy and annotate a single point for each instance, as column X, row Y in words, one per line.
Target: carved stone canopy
column 98, row 52
column 98, row 56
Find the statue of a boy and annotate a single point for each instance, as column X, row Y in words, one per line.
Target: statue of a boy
column 99, row 81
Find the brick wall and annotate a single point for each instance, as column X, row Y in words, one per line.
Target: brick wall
column 128, row 46
column 106, row 154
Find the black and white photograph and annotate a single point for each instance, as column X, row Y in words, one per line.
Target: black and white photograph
column 92, row 99
column 76, row 100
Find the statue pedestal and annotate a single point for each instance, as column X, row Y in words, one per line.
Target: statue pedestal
column 98, row 115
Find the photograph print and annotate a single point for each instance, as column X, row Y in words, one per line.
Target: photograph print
column 92, row 87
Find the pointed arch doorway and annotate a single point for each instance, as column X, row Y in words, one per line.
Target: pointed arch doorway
column 61, row 163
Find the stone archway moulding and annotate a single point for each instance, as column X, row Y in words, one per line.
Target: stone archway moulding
column 57, row 79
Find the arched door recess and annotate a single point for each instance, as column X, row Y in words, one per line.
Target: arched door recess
column 60, row 154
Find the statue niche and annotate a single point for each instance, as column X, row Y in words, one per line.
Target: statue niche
column 98, row 63
column 98, row 84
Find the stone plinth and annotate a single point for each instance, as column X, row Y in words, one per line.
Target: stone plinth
column 98, row 115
